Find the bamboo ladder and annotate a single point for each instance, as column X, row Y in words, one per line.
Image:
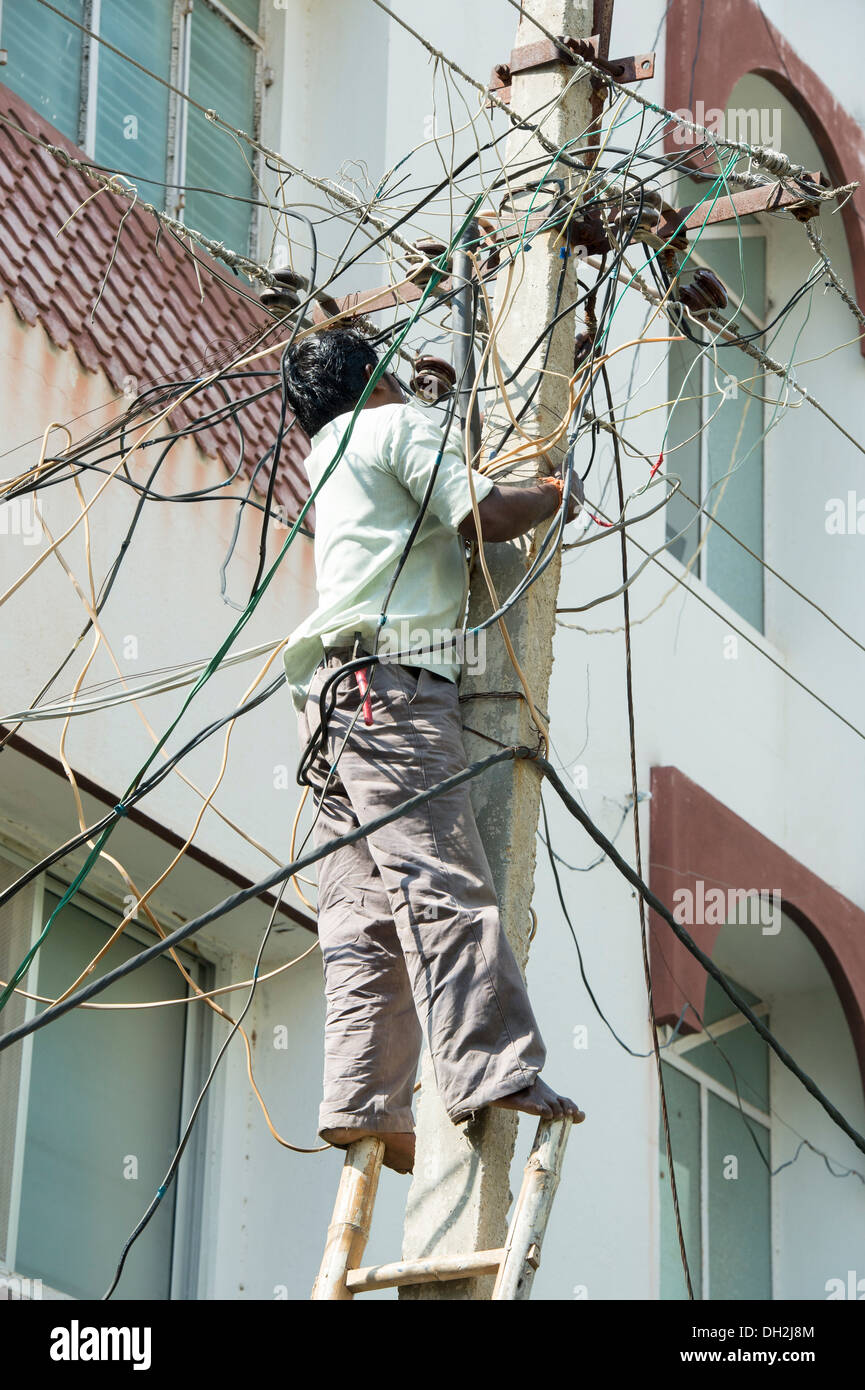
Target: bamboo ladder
column 514, row 1264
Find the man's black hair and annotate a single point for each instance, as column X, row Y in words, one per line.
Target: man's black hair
column 326, row 374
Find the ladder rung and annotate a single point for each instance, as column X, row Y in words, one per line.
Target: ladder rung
column 424, row 1271
column 514, row 1265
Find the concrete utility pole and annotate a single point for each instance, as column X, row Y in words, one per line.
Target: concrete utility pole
column 460, row 1191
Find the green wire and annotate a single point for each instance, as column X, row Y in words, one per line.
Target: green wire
column 213, row 665
column 718, row 184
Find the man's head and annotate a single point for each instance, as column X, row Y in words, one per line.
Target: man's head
column 326, row 375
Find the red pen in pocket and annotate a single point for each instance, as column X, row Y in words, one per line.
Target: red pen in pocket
column 363, row 686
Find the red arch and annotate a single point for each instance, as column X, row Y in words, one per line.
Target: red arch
column 694, row 837
column 736, row 39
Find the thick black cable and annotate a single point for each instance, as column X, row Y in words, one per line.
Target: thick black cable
column 567, row 916
column 139, row 793
column 195, row 1111
column 644, row 941
column 282, row 429
column 690, row 944
column 473, row 770
column 254, row 890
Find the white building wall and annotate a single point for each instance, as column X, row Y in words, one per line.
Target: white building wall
column 739, row 728
column 350, row 87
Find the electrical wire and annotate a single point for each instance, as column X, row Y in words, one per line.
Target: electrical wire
column 617, row 192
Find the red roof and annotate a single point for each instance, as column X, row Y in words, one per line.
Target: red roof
column 151, row 322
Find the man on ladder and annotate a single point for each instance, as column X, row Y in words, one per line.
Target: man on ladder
column 408, row 920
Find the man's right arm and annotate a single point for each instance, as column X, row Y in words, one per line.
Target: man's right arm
column 412, row 445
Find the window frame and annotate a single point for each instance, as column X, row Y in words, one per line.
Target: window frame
column 178, row 109
column 197, row 1046
column 700, row 571
column 674, row 1050
column 174, row 171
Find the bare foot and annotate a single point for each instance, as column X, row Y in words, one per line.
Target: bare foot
column 540, row 1099
column 398, row 1145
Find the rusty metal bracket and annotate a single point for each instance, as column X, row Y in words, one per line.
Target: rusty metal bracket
column 587, row 235
column 635, row 68
column 585, row 232
column 364, row 302
column 748, row 200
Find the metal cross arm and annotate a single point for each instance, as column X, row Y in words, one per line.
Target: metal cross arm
column 635, row 68
column 749, row 200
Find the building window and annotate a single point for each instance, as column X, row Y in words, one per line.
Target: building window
column 715, row 429
column 91, row 1110
column 721, row 1157
column 127, row 121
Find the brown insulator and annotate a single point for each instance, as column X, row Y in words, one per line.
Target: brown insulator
column 428, row 249
column 488, row 241
column 285, row 294
column 432, row 378
column 586, row 230
column 582, row 348
column 704, row 295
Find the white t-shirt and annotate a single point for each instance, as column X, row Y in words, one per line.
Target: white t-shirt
column 364, row 515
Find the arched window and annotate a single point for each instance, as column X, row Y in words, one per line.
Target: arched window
column 717, row 1089
column 785, row 1219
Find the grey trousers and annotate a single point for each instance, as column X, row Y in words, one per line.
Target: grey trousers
column 408, row 921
